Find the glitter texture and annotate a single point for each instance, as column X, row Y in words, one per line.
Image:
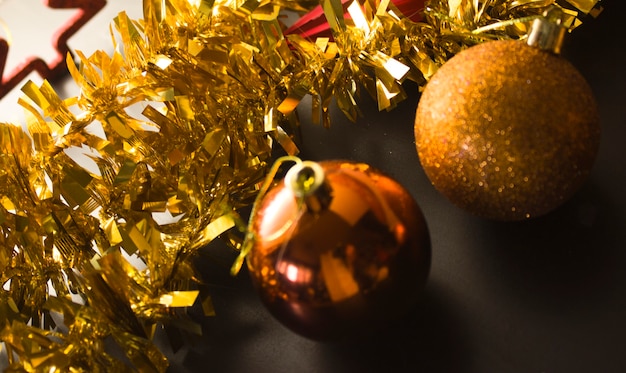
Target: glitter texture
column 507, row 131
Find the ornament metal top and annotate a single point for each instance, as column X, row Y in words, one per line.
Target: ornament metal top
column 509, row 130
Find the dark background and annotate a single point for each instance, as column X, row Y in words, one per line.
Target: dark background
column 545, row 295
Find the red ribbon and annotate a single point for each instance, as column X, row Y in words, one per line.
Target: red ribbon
column 313, row 24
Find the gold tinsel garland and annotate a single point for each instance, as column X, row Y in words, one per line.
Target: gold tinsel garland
column 107, row 200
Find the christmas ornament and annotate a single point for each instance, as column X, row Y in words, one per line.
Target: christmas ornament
column 508, row 130
column 338, row 249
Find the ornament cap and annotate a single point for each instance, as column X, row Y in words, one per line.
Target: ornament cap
column 547, row 33
column 307, row 181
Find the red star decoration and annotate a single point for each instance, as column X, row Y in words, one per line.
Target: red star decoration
column 86, row 10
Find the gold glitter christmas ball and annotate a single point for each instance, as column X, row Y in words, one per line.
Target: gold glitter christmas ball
column 507, row 131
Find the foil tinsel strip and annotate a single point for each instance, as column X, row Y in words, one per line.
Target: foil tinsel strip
column 109, row 197
column 377, row 48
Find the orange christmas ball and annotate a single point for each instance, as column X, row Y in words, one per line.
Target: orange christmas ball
column 507, row 131
column 339, row 249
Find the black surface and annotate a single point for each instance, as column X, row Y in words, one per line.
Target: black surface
column 545, row 295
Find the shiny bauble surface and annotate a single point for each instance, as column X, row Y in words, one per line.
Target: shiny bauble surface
column 346, row 269
column 507, row 131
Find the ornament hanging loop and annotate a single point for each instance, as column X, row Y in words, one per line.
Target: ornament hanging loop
column 307, row 181
column 548, row 33
column 267, row 184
